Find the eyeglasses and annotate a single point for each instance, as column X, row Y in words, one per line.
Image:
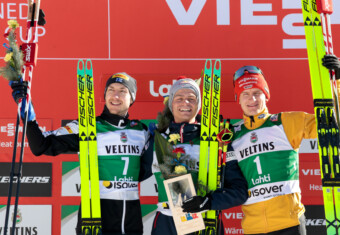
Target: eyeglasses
column 250, row 69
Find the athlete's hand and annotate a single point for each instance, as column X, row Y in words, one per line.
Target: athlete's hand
column 19, row 90
column 197, row 204
column 332, row 62
column 19, row 93
column 41, row 20
column 152, row 128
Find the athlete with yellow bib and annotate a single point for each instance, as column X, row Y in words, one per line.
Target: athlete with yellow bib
column 266, row 146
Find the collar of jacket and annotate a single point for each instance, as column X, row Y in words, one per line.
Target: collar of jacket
column 187, row 131
column 253, row 122
column 114, row 119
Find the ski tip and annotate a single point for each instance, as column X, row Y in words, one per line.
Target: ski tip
column 80, row 64
column 89, row 62
column 217, row 65
column 208, row 64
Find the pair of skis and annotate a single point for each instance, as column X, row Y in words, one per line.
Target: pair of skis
column 29, row 49
column 209, row 146
column 89, row 174
column 319, row 43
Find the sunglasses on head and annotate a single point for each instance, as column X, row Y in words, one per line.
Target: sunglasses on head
column 250, row 69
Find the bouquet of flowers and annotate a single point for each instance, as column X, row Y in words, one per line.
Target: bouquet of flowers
column 172, row 160
column 12, row 71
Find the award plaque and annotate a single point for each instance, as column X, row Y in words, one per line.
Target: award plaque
column 179, row 189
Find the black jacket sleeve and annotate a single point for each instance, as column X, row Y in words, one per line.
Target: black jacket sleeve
column 235, row 189
column 146, row 159
column 50, row 143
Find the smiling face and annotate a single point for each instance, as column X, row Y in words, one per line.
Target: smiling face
column 118, row 99
column 184, row 106
column 252, row 101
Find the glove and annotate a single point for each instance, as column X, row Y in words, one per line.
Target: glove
column 41, row 20
column 197, row 204
column 19, row 92
column 332, row 62
column 152, row 128
column 31, row 113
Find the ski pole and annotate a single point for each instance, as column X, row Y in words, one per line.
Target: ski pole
column 30, row 53
column 224, row 137
column 12, row 173
column 220, row 172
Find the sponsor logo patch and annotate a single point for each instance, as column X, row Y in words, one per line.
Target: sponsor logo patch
column 119, row 77
column 261, row 116
column 253, row 137
column 237, row 128
column 123, row 137
column 274, row 118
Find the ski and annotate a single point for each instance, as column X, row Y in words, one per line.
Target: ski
column 205, row 123
column 209, row 146
column 89, row 174
column 318, row 40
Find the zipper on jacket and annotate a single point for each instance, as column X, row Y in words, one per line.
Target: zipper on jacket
column 123, row 216
column 252, row 120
